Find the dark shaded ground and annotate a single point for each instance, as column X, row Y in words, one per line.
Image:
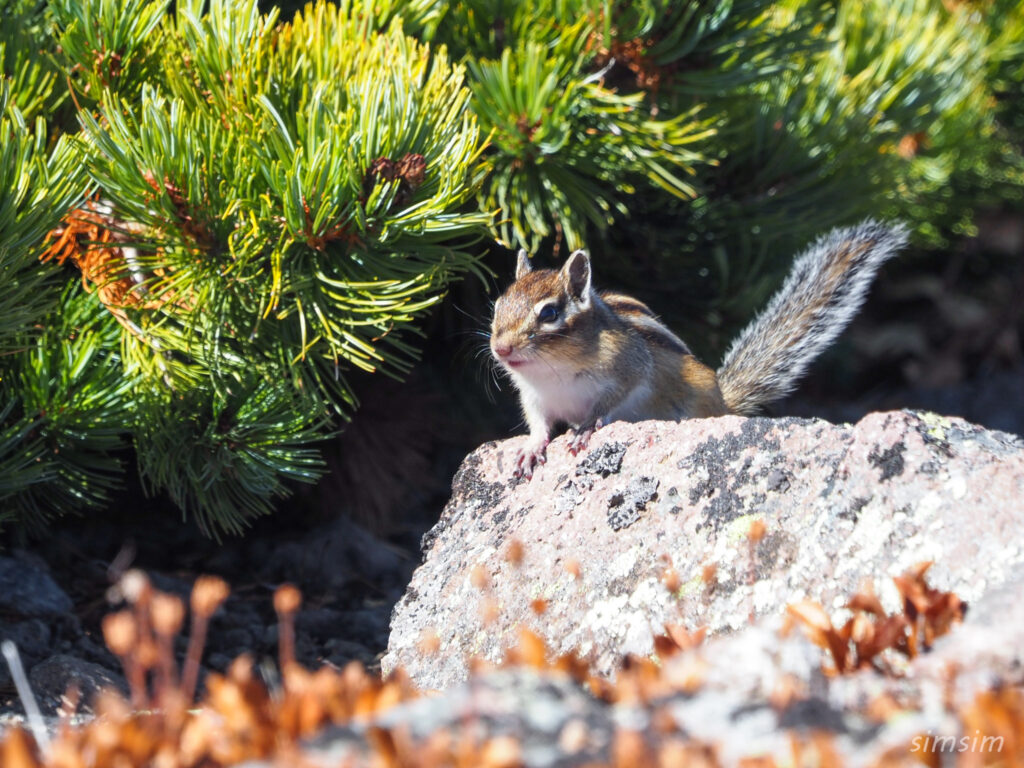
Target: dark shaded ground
column 350, row 573
column 349, row 578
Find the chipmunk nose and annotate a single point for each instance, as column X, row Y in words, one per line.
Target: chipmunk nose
column 501, row 348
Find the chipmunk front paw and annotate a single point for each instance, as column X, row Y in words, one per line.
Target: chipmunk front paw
column 532, row 455
column 582, row 436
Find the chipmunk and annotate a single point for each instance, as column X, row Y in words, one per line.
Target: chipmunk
column 585, row 358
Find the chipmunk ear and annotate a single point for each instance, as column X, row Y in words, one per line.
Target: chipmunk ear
column 523, row 263
column 576, row 274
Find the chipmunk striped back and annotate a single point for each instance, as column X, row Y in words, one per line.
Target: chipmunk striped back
column 640, row 317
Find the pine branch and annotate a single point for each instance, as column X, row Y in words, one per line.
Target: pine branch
column 224, row 457
column 36, row 187
column 287, row 206
column 30, row 74
column 108, row 44
column 66, row 419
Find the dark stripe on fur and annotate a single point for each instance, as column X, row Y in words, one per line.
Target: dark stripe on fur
column 641, row 319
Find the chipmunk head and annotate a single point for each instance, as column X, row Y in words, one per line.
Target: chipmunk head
column 538, row 321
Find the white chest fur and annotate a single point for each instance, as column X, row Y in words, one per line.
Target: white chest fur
column 560, row 394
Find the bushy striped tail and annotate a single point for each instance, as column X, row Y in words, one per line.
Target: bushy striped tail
column 823, row 292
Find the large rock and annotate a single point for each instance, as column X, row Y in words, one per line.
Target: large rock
column 28, row 589
column 748, row 695
column 32, row 639
column 52, row 679
column 592, row 536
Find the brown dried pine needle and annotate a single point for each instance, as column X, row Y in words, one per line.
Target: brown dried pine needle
column 238, row 720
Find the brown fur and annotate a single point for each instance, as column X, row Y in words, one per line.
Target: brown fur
column 701, row 392
column 615, row 343
column 584, row 358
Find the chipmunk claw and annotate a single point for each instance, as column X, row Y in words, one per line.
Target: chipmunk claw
column 582, row 436
column 530, row 457
column 578, row 444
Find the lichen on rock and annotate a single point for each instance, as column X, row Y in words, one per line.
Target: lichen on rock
column 839, row 504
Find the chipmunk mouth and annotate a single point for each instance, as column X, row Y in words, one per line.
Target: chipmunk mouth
column 511, row 359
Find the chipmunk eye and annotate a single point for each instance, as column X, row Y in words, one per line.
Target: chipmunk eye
column 548, row 313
